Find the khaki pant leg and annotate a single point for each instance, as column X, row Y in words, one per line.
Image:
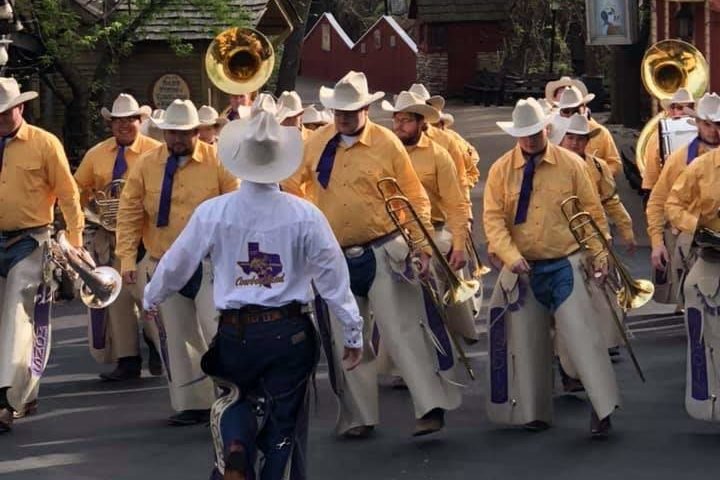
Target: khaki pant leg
column 703, row 332
column 16, row 329
column 208, row 316
column 664, row 292
column 520, row 354
column 683, row 258
column 583, row 346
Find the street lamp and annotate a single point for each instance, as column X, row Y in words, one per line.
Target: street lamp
column 554, row 7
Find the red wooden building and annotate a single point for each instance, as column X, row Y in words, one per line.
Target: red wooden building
column 386, row 54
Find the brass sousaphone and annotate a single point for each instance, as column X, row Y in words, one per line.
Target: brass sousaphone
column 666, row 67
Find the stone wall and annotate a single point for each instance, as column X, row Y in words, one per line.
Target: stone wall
column 432, row 71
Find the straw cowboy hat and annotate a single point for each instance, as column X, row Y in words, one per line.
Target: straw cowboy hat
column 555, row 85
column 435, row 101
column 528, row 118
column 350, row 93
column 209, row 117
column 10, row 95
column 708, row 108
column 259, row 149
column 313, row 115
column 408, row 102
column 125, row 106
column 681, row 97
column 289, row 105
column 572, row 97
column 180, row 115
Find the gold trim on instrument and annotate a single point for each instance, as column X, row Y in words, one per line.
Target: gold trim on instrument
column 239, row 60
column 103, row 209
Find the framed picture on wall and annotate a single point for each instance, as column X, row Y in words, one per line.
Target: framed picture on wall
column 611, row 22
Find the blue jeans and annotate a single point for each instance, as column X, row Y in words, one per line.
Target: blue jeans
column 551, row 282
column 273, row 362
column 9, row 257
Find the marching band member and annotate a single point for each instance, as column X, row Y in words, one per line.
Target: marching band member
column 554, row 88
column 114, row 331
column 472, row 156
column 290, row 112
column 210, row 124
column 266, row 246
column 34, row 173
column 602, row 145
column 239, row 105
column 542, row 279
column 674, row 108
column 692, row 207
column 148, row 128
column 313, row 118
column 341, row 167
column 162, row 190
column 672, row 255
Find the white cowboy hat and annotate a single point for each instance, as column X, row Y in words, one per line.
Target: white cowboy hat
column 708, row 108
column 448, row 119
column 210, row 117
column 435, row 101
column 313, row 115
column 350, row 93
column 125, row 106
column 408, row 102
column 681, row 97
column 180, row 115
column 264, row 102
column 289, row 105
column 546, row 106
column 572, row 97
column 148, row 127
column 557, row 128
column 579, row 125
column 259, row 149
column 528, row 118
column 555, row 85
column 10, row 95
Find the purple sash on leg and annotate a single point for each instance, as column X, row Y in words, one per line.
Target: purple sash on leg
column 498, row 357
column 437, row 326
column 698, row 361
column 98, row 326
column 41, row 331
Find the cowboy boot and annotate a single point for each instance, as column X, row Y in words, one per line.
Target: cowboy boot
column 6, row 419
column 431, row 422
column 599, row 429
column 128, row 368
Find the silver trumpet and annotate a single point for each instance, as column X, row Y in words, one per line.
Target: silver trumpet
column 100, row 286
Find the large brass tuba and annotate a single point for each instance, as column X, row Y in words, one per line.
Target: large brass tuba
column 666, row 67
column 103, row 209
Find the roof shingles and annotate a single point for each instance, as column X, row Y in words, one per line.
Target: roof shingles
column 461, row 10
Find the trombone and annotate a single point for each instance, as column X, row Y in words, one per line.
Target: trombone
column 629, row 293
column 417, row 237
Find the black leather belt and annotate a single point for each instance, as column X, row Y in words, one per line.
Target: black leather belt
column 355, row 251
column 251, row 314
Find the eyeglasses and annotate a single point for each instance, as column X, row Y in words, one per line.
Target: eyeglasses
column 678, row 106
column 403, row 120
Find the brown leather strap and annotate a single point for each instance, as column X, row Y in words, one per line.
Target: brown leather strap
column 257, row 314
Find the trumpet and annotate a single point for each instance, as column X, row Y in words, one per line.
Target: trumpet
column 100, row 286
column 105, row 206
column 629, row 293
column 404, row 215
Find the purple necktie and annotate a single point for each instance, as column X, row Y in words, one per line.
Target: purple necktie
column 693, row 150
column 120, row 166
column 232, row 115
column 327, row 160
column 3, row 141
column 166, row 193
column 525, row 191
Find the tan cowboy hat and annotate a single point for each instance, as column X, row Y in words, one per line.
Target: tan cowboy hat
column 557, row 128
column 528, row 118
column 555, row 85
column 313, row 115
column 289, row 105
column 350, row 93
column 448, row 119
column 435, row 101
column 579, row 125
column 708, row 108
column 572, row 97
column 681, row 97
column 10, row 95
column 408, row 102
column 209, row 117
column 259, row 149
column 125, row 106
column 180, row 115
column 148, row 127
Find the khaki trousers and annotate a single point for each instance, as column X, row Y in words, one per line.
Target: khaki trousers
column 113, row 332
column 17, row 304
column 668, row 285
column 398, row 310
column 521, row 350
column 702, row 320
column 188, row 326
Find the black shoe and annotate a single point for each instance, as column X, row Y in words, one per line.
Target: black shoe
column 189, row 417
column 6, row 419
column 572, row 385
column 361, row 431
column 154, row 361
column 128, row 368
column 614, row 351
column 431, row 422
column 536, row 426
column 599, row 428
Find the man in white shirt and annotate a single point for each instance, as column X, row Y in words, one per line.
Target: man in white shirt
column 266, row 247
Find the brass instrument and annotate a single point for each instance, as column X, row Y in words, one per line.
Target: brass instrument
column 100, row 286
column 103, row 209
column 475, row 265
column 667, row 66
column 630, row 293
column 404, row 216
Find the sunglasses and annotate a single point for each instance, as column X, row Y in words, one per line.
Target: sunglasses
column 569, row 111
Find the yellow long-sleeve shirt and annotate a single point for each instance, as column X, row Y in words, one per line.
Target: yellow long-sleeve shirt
column 653, row 164
column 35, row 173
column 200, row 178
column 96, row 169
column 694, row 201
column 472, row 157
column 604, row 184
column 454, row 148
column 603, row 146
column 436, row 171
column 351, row 202
column 655, row 210
column 545, row 234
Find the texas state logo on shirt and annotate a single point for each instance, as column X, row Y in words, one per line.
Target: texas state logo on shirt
column 263, row 269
